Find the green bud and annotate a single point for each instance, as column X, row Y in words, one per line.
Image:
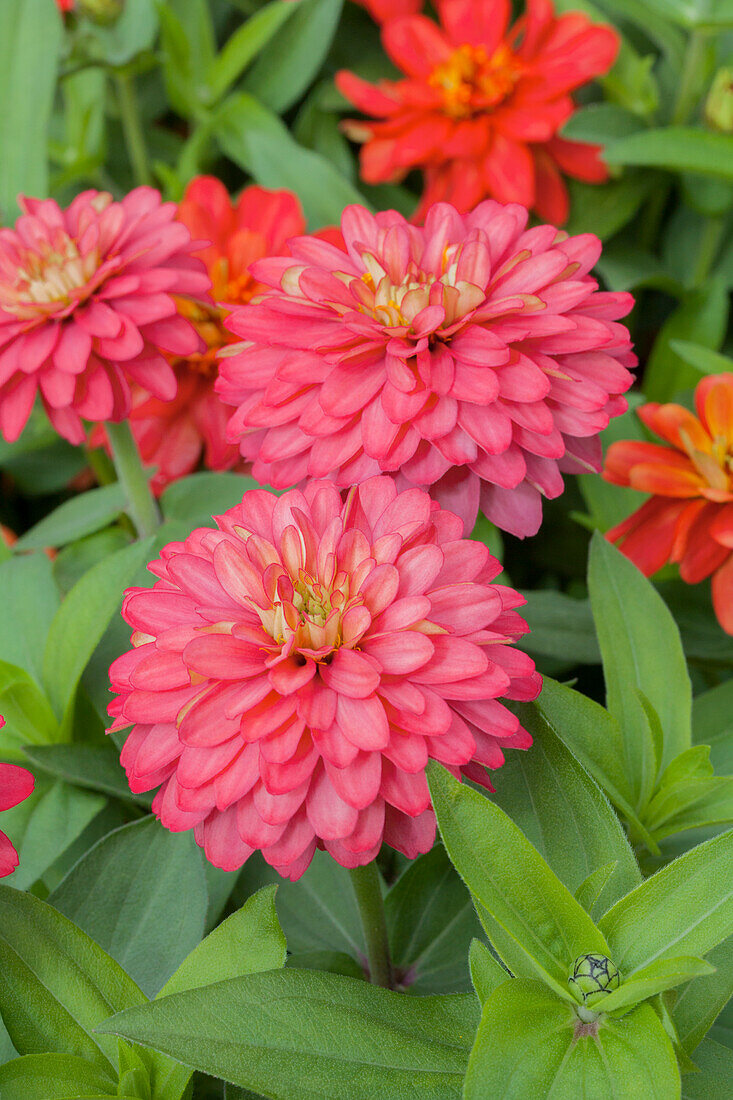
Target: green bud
column 719, row 104
column 593, row 974
column 102, row 12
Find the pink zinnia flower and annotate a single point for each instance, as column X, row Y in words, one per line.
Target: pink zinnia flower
column 86, row 307
column 294, row 671
column 15, row 785
column 472, row 355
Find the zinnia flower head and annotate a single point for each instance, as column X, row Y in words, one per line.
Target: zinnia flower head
column 293, row 672
column 689, row 516
column 472, row 355
column 481, row 104
column 87, row 307
column 15, row 785
column 382, row 10
column 172, row 435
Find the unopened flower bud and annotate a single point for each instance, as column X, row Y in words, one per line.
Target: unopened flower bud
column 593, row 974
column 719, row 104
column 102, row 12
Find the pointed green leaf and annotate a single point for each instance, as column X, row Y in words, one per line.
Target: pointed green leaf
column 656, row 978
column 312, row 1035
column 486, row 972
column 591, row 888
column 641, row 648
column 57, row 983
column 126, row 893
column 676, row 148
column 713, row 1081
column 58, row 819
column 244, row 45
column 510, row 879
column 525, row 1049
column 29, row 598
column 699, row 1003
column 54, row 1077
column 685, row 908
column 82, row 515
column 712, row 724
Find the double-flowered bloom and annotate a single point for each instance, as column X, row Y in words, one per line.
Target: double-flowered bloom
column 293, row 672
column 87, row 307
column 689, row 516
column 473, row 356
column 481, row 103
column 173, row 435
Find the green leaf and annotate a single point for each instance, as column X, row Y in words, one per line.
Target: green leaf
column 30, row 43
column 676, row 148
column 58, row 985
column 690, row 796
column 561, row 811
column 54, row 1077
column 126, row 894
column 509, row 878
column 656, row 978
column 29, row 600
column 525, row 1048
column 130, row 35
column 700, row 1002
column 712, row 724
column 595, row 738
column 82, row 515
column 701, row 318
column 60, row 816
column 92, row 766
column 601, row 122
column 319, row 911
column 560, row 624
column 609, row 504
column 686, row 908
column 701, row 358
column 593, row 886
column 715, row 1063
column 249, row 941
column 82, row 619
column 244, row 45
column 312, row 1035
column 29, row 719
column 431, row 923
column 700, row 14
column 641, row 648
column 606, row 208
column 486, row 973
column 196, row 499
column 293, row 58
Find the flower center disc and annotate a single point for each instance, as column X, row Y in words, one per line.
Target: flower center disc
column 471, row 81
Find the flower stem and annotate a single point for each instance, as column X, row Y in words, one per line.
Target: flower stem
column 132, row 128
column 688, row 89
column 141, row 506
column 368, row 890
column 710, row 241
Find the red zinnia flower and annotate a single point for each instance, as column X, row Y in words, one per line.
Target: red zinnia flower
column 65, row 5
column 471, row 355
column 294, row 671
column 15, row 785
column 172, row 435
column 87, row 307
column 383, row 10
column 689, row 518
column 481, row 105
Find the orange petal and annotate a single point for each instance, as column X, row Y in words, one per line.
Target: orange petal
column 714, row 400
column 668, row 420
column 722, row 590
column 666, row 481
column 622, row 457
column 648, row 535
column 703, row 555
column 722, row 526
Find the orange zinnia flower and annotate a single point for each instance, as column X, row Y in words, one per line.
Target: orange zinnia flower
column 173, row 435
column 482, row 103
column 689, row 518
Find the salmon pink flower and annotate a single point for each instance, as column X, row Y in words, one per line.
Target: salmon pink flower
column 472, row 356
column 481, row 104
column 293, row 672
column 15, row 785
column 689, row 516
column 172, row 435
column 87, row 307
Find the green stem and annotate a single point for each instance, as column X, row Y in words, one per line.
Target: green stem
column 710, row 240
column 141, row 506
column 132, row 128
column 368, row 890
column 688, row 91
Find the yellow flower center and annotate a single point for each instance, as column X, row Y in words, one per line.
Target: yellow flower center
column 471, row 81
